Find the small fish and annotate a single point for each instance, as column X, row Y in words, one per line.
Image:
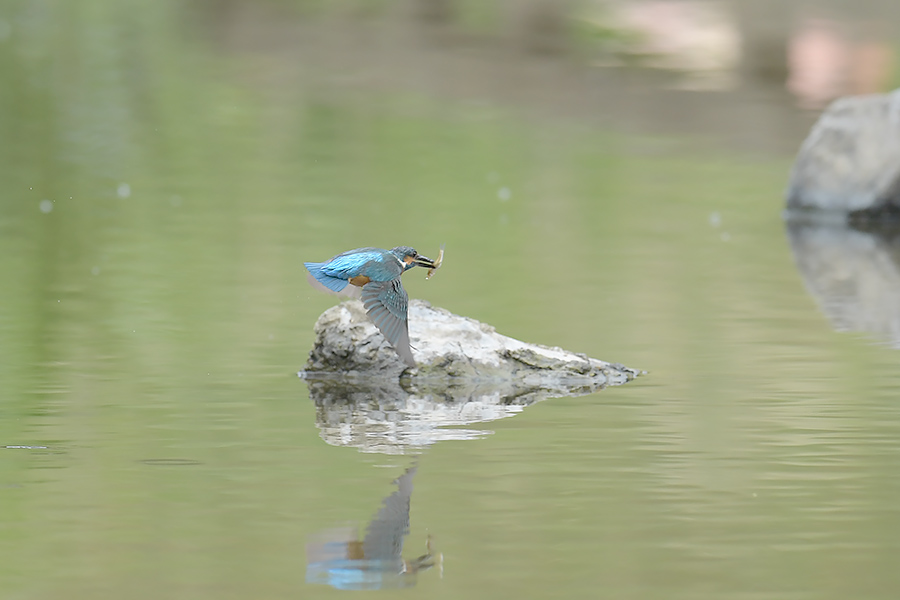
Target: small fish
column 437, row 263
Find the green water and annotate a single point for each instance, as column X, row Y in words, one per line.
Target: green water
column 158, row 198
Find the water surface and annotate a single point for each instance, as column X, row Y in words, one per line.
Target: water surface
column 163, row 180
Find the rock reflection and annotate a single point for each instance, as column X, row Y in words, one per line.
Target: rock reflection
column 854, row 275
column 340, row 559
column 386, row 417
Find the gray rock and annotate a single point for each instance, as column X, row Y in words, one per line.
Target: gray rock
column 851, row 159
column 447, row 346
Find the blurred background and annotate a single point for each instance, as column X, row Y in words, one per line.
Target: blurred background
column 607, row 176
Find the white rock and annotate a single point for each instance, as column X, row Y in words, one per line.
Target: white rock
column 446, row 345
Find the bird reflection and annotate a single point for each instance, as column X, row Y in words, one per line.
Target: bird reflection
column 340, row 559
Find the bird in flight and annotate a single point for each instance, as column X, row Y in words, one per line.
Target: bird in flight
column 373, row 275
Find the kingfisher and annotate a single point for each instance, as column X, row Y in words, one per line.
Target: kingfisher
column 373, row 275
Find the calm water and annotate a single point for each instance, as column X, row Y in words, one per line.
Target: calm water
column 165, row 173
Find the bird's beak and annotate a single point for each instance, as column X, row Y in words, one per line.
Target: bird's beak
column 423, row 261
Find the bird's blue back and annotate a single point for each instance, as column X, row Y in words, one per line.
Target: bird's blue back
column 374, row 263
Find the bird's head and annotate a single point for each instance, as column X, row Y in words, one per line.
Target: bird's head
column 410, row 258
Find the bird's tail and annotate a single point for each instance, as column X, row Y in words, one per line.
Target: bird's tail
column 322, row 281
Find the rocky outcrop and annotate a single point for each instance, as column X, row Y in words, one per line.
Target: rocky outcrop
column 850, row 162
column 451, row 347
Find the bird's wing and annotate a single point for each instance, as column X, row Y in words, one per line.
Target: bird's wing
column 386, row 303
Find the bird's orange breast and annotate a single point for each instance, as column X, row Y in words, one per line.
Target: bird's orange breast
column 359, row 280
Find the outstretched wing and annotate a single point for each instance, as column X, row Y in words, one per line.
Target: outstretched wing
column 386, row 303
